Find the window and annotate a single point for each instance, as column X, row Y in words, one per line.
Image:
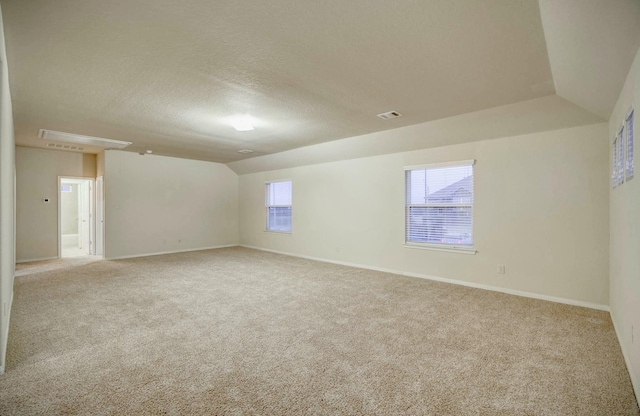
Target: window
column 439, row 205
column 278, row 204
column 629, row 130
column 614, row 163
column 621, row 156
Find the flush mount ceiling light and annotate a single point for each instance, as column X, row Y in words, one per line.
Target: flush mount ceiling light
column 245, row 151
column 79, row 139
column 242, row 123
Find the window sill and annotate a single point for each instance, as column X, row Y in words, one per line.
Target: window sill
column 278, row 232
column 445, row 248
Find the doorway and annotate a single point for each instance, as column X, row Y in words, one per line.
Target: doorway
column 99, row 246
column 76, row 225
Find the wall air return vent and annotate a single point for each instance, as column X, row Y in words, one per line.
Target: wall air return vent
column 83, row 140
column 388, row 115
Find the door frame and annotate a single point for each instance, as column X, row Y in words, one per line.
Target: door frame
column 92, row 212
column 99, row 205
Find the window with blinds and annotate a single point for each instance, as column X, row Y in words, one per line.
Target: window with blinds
column 614, row 163
column 278, row 206
column 620, row 156
column 439, row 205
column 629, row 129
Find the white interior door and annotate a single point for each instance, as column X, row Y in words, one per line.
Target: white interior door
column 79, row 217
column 100, row 216
column 84, row 213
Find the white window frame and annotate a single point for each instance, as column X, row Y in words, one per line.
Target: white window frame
column 629, row 145
column 621, row 153
column 267, row 206
column 439, row 246
column 614, row 163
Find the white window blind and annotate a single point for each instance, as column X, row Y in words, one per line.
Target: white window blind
column 621, row 156
column 629, row 129
column 614, row 163
column 439, row 205
column 278, row 206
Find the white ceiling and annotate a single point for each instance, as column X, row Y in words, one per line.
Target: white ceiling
column 591, row 46
column 169, row 75
column 532, row 116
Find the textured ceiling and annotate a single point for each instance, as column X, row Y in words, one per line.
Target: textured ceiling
column 541, row 114
column 169, row 75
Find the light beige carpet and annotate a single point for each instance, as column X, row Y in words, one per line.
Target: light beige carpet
column 242, row 332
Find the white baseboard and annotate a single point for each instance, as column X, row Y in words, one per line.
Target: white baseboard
column 159, row 253
column 69, row 240
column 634, row 381
column 3, row 347
column 446, row 280
column 38, row 259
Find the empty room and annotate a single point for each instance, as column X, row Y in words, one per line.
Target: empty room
column 319, row 208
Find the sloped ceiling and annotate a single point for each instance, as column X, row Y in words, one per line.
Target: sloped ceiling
column 532, row 116
column 169, row 76
column 591, row 46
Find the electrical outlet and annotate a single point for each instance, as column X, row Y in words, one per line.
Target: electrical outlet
column 501, row 269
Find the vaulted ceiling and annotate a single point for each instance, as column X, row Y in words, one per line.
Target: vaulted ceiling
column 170, row 76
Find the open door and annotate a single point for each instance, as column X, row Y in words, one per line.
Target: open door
column 84, row 217
column 76, row 225
column 99, row 216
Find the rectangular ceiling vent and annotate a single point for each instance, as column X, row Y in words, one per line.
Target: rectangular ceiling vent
column 388, row 115
column 78, row 139
column 65, row 147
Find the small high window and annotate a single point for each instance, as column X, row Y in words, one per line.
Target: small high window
column 629, row 129
column 614, row 163
column 621, row 156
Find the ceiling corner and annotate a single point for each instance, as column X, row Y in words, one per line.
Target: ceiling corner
column 591, row 46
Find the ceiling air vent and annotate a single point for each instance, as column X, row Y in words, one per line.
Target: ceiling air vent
column 388, row 115
column 65, row 147
column 78, row 139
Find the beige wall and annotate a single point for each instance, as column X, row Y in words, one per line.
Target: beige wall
column 625, row 235
column 541, row 209
column 37, row 172
column 100, row 164
column 157, row 204
column 7, row 181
